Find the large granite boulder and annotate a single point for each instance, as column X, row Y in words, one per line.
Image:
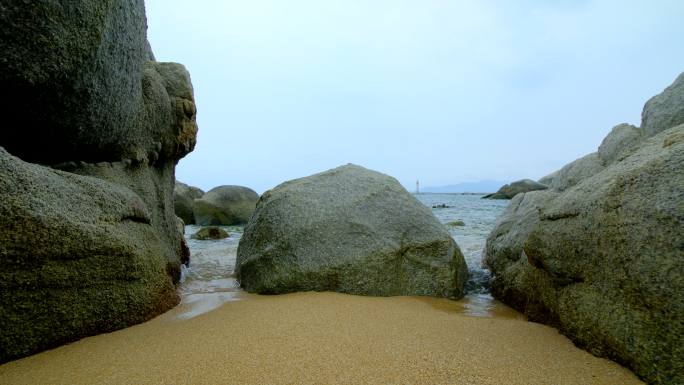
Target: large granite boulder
column 81, row 95
column 664, row 110
column 183, row 196
column 521, row 186
column 81, row 61
column 602, row 259
column 79, row 255
column 548, row 179
column 621, row 140
column 577, row 171
column 350, row 230
column 225, row 205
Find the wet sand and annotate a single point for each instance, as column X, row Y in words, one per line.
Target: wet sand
column 323, row 338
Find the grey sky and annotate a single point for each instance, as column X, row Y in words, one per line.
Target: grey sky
column 444, row 91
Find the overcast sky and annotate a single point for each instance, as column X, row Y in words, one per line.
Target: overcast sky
column 437, row 90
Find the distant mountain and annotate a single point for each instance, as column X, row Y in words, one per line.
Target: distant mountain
column 483, row 186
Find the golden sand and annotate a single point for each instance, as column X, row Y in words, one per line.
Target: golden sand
column 323, row 338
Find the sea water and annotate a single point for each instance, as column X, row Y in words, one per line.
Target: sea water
column 479, row 216
column 210, row 280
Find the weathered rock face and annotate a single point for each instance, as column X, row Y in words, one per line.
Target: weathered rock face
column 79, row 255
column 602, row 259
column 350, row 230
column 183, row 195
column 619, row 143
column 225, row 205
column 82, row 62
column 577, row 171
column 664, row 110
column 510, row 190
column 548, row 179
column 80, row 95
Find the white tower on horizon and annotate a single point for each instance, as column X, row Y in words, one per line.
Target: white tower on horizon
column 417, row 187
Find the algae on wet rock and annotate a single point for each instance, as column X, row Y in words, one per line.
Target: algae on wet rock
column 350, row 230
column 211, row 232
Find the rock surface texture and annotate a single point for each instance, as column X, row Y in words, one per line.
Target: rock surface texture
column 664, row 110
column 600, row 255
column 350, row 230
column 183, row 196
column 90, row 240
column 225, row 205
column 510, row 190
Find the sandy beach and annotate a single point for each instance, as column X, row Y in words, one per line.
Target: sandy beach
column 323, row 338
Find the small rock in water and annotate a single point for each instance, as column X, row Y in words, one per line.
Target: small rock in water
column 210, row 233
column 457, row 222
column 441, row 206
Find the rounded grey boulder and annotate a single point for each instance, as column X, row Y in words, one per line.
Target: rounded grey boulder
column 80, row 256
column 521, row 186
column 617, row 145
column 664, row 110
column 349, row 230
column 576, row 171
column 225, row 205
column 183, row 196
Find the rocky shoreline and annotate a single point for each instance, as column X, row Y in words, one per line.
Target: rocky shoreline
column 93, row 221
column 600, row 253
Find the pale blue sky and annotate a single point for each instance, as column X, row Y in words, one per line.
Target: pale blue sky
column 444, row 91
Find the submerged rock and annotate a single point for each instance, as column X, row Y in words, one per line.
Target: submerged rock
column 457, row 222
column 225, row 205
column 350, row 230
column 211, row 232
column 183, row 196
column 510, row 190
column 441, row 206
column 601, row 257
column 81, row 95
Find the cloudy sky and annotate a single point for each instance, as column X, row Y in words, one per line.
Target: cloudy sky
column 444, row 91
